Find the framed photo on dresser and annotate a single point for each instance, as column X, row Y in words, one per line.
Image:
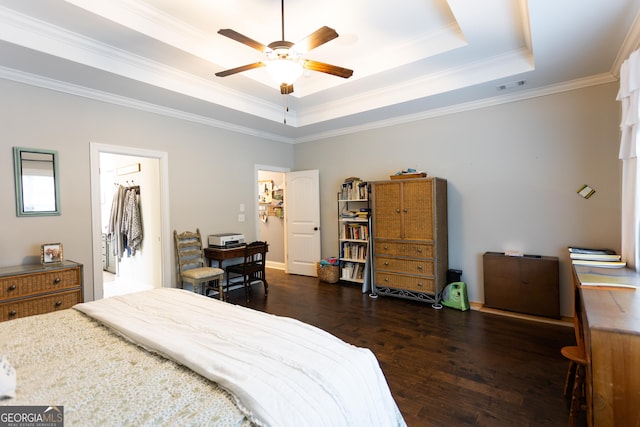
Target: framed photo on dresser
column 51, row 253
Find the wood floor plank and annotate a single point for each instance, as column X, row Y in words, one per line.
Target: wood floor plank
column 444, row 367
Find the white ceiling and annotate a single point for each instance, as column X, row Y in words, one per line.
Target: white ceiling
column 411, row 58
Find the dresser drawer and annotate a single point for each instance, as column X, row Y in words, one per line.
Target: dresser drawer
column 39, row 305
column 403, row 265
column 414, row 250
column 36, row 283
column 410, row 283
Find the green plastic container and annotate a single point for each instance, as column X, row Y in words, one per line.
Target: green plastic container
column 455, row 296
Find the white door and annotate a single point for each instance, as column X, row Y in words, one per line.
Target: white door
column 302, row 214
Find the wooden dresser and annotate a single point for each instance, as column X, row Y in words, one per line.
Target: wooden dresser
column 410, row 243
column 26, row 290
column 610, row 322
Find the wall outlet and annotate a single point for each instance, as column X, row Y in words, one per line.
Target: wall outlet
column 240, row 217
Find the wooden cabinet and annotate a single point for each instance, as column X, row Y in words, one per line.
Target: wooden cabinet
column 528, row 284
column 410, row 243
column 27, row 290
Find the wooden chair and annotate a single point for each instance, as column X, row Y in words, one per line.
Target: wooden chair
column 575, row 382
column 191, row 265
column 252, row 268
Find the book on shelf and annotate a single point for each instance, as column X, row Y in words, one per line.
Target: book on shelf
column 354, row 231
column 582, row 250
column 354, row 188
column 603, row 264
column 352, row 271
column 602, row 285
column 349, row 214
column 595, row 257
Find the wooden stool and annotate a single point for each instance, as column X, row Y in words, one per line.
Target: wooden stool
column 575, row 380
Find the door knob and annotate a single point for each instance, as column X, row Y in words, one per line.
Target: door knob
column 315, row 228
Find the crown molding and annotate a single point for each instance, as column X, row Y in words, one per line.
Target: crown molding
column 468, row 106
column 631, row 42
column 34, row 80
column 41, row 36
column 81, row 91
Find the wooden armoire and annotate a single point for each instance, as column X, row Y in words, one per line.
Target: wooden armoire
column 410, row 248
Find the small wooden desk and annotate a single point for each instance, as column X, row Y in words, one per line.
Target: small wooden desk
column 221, row 254
column 611, row 322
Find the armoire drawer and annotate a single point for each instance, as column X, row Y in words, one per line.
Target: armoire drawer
column 414, row 250
column 410, row 283
column 404, row 265
column 37, row 283
column 38, row 305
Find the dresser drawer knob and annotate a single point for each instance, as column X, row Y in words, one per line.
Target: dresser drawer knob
column 420, row 285
column 405, row 210
column 398, row 210
column 420, row 267
column 58, row 303
column 386, row 279
column 12, row 288
column 12, row 313
column 56, row 280
column 419, row 250
column 386, row 263
column 385, row 247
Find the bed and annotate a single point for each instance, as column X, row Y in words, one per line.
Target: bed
column 172, row 357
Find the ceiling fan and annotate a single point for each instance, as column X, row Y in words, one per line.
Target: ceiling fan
column 284, row 59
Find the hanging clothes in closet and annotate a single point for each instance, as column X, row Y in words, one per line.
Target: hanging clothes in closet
column 125, row 225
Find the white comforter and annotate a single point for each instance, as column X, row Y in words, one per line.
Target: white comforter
column 284, row 372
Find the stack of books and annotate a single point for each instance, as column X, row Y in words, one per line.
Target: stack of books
column 363, row 213
column 606, row 258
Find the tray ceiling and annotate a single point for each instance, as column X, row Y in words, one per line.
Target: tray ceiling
column 420, row 59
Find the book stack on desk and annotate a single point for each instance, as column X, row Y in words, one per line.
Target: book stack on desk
column 606, row 258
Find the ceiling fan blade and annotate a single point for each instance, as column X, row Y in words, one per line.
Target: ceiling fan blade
column 286, row 89
column 315, row 39
column 327, row 68
column 231, row 71
column 234, row 35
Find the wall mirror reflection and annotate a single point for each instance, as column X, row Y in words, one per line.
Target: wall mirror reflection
column 37, row 182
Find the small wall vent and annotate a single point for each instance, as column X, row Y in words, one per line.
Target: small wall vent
column 510, row 85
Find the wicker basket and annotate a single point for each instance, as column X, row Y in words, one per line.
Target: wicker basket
column 328, row 273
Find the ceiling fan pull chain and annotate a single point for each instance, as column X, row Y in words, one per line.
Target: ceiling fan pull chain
column 286, row 109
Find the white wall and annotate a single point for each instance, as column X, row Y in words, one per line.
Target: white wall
column 513, row 171
column 203, row 182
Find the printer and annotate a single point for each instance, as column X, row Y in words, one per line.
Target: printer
column 227, row 240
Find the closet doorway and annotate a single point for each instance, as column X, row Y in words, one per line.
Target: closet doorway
column 270, row 214
column 118, row 269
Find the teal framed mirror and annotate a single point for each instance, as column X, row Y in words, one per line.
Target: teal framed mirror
column 37, row 182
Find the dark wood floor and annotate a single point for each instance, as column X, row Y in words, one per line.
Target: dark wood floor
column 444, row 367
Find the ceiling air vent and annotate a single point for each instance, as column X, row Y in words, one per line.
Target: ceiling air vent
column 510, row 85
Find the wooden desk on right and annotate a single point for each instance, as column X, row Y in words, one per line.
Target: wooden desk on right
column 610, row 318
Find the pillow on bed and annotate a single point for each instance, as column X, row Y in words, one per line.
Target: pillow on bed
column 7, row 379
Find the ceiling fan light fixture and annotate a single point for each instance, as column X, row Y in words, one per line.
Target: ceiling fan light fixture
column 283, row 61
column 284, row 70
